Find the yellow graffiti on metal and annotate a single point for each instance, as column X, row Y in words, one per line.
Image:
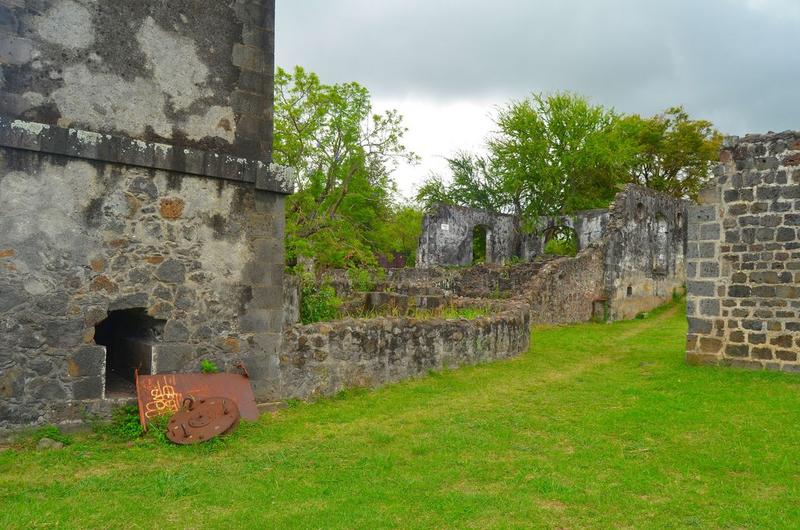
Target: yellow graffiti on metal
column 163, row 399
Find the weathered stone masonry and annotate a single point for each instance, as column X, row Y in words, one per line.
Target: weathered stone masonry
column 447, row 231
column 322, row 359
column 135, row 190
column 743, row 263
column 630, row 260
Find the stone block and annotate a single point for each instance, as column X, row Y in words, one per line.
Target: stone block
column 63, row 333
column 761, row 353
column 701, row 214
column 710, row 345
column 701, row 288
column 739, row 291
column 710, row 307
column 709, row 269
column 87, row 361
column 131, row 301
column 171, row 271
column 710, row 232
column 176, row 331
column 261, row 321
column 700, row 326
column 88, row 388
column 737, row 350
column 174, row 357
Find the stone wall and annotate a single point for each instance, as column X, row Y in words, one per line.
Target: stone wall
column 635, row 267
column 588, row 226
column 322, row 359
column 566, row 289
column 743, row 263
column 191, row 74
column 631, row 260
column 447, row 235
column 80, row 239
column 644, row 251
column 137, row 199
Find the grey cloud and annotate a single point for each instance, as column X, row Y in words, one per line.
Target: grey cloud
column 731, row 61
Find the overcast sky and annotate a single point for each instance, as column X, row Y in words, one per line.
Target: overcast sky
column 446, row 64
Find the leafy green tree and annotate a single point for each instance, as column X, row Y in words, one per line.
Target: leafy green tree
column 557, row 154
column 550, row 155
column 672, row 153
column 473, row 183
column 400, row 232
column 343, row 154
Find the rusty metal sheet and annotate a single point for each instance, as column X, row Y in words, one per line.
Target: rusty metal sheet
column 164, row 393
column 199, row 420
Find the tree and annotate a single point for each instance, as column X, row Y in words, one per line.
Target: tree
column 557, row 154
column 343, row 154
column 400, row 231
column 550, row 155
column 473, row 183
column 672, row 153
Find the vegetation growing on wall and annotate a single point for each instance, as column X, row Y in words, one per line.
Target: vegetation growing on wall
column 562, row 242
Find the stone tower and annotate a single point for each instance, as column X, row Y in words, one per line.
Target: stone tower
column 141, row 220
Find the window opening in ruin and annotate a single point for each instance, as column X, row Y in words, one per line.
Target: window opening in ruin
column 660, row 253
column 480, row 244
column 679, row 221
column 561, row 241
column 129, row 337
column 640, row 211
column 630, row 291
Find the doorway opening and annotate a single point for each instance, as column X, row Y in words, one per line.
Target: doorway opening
column 481, row 238
column 129, row 336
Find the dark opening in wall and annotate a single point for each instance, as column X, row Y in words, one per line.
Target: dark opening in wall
column 480, row 243
column 629, row 291
column 129, row 336
column 640, row 212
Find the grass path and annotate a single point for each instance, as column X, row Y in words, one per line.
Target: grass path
column 598, row 426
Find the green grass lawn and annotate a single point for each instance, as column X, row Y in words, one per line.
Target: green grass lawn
column 597, row 426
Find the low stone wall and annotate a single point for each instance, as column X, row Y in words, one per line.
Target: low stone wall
column 322, row 359
column 566, row 289
column 479, row 281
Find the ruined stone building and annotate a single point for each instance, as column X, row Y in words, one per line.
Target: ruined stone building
column 142, row 226
column 141, row 223
column 630, row 257
column 743, row 263
column 448, row 233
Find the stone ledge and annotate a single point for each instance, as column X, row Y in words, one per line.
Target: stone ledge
column 76, row 143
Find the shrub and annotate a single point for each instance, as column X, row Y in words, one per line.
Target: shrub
column 125, row 423
column 157, row 428
column 364, row 280
column 208, row 367
column 561, row 247
column 318, row 304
